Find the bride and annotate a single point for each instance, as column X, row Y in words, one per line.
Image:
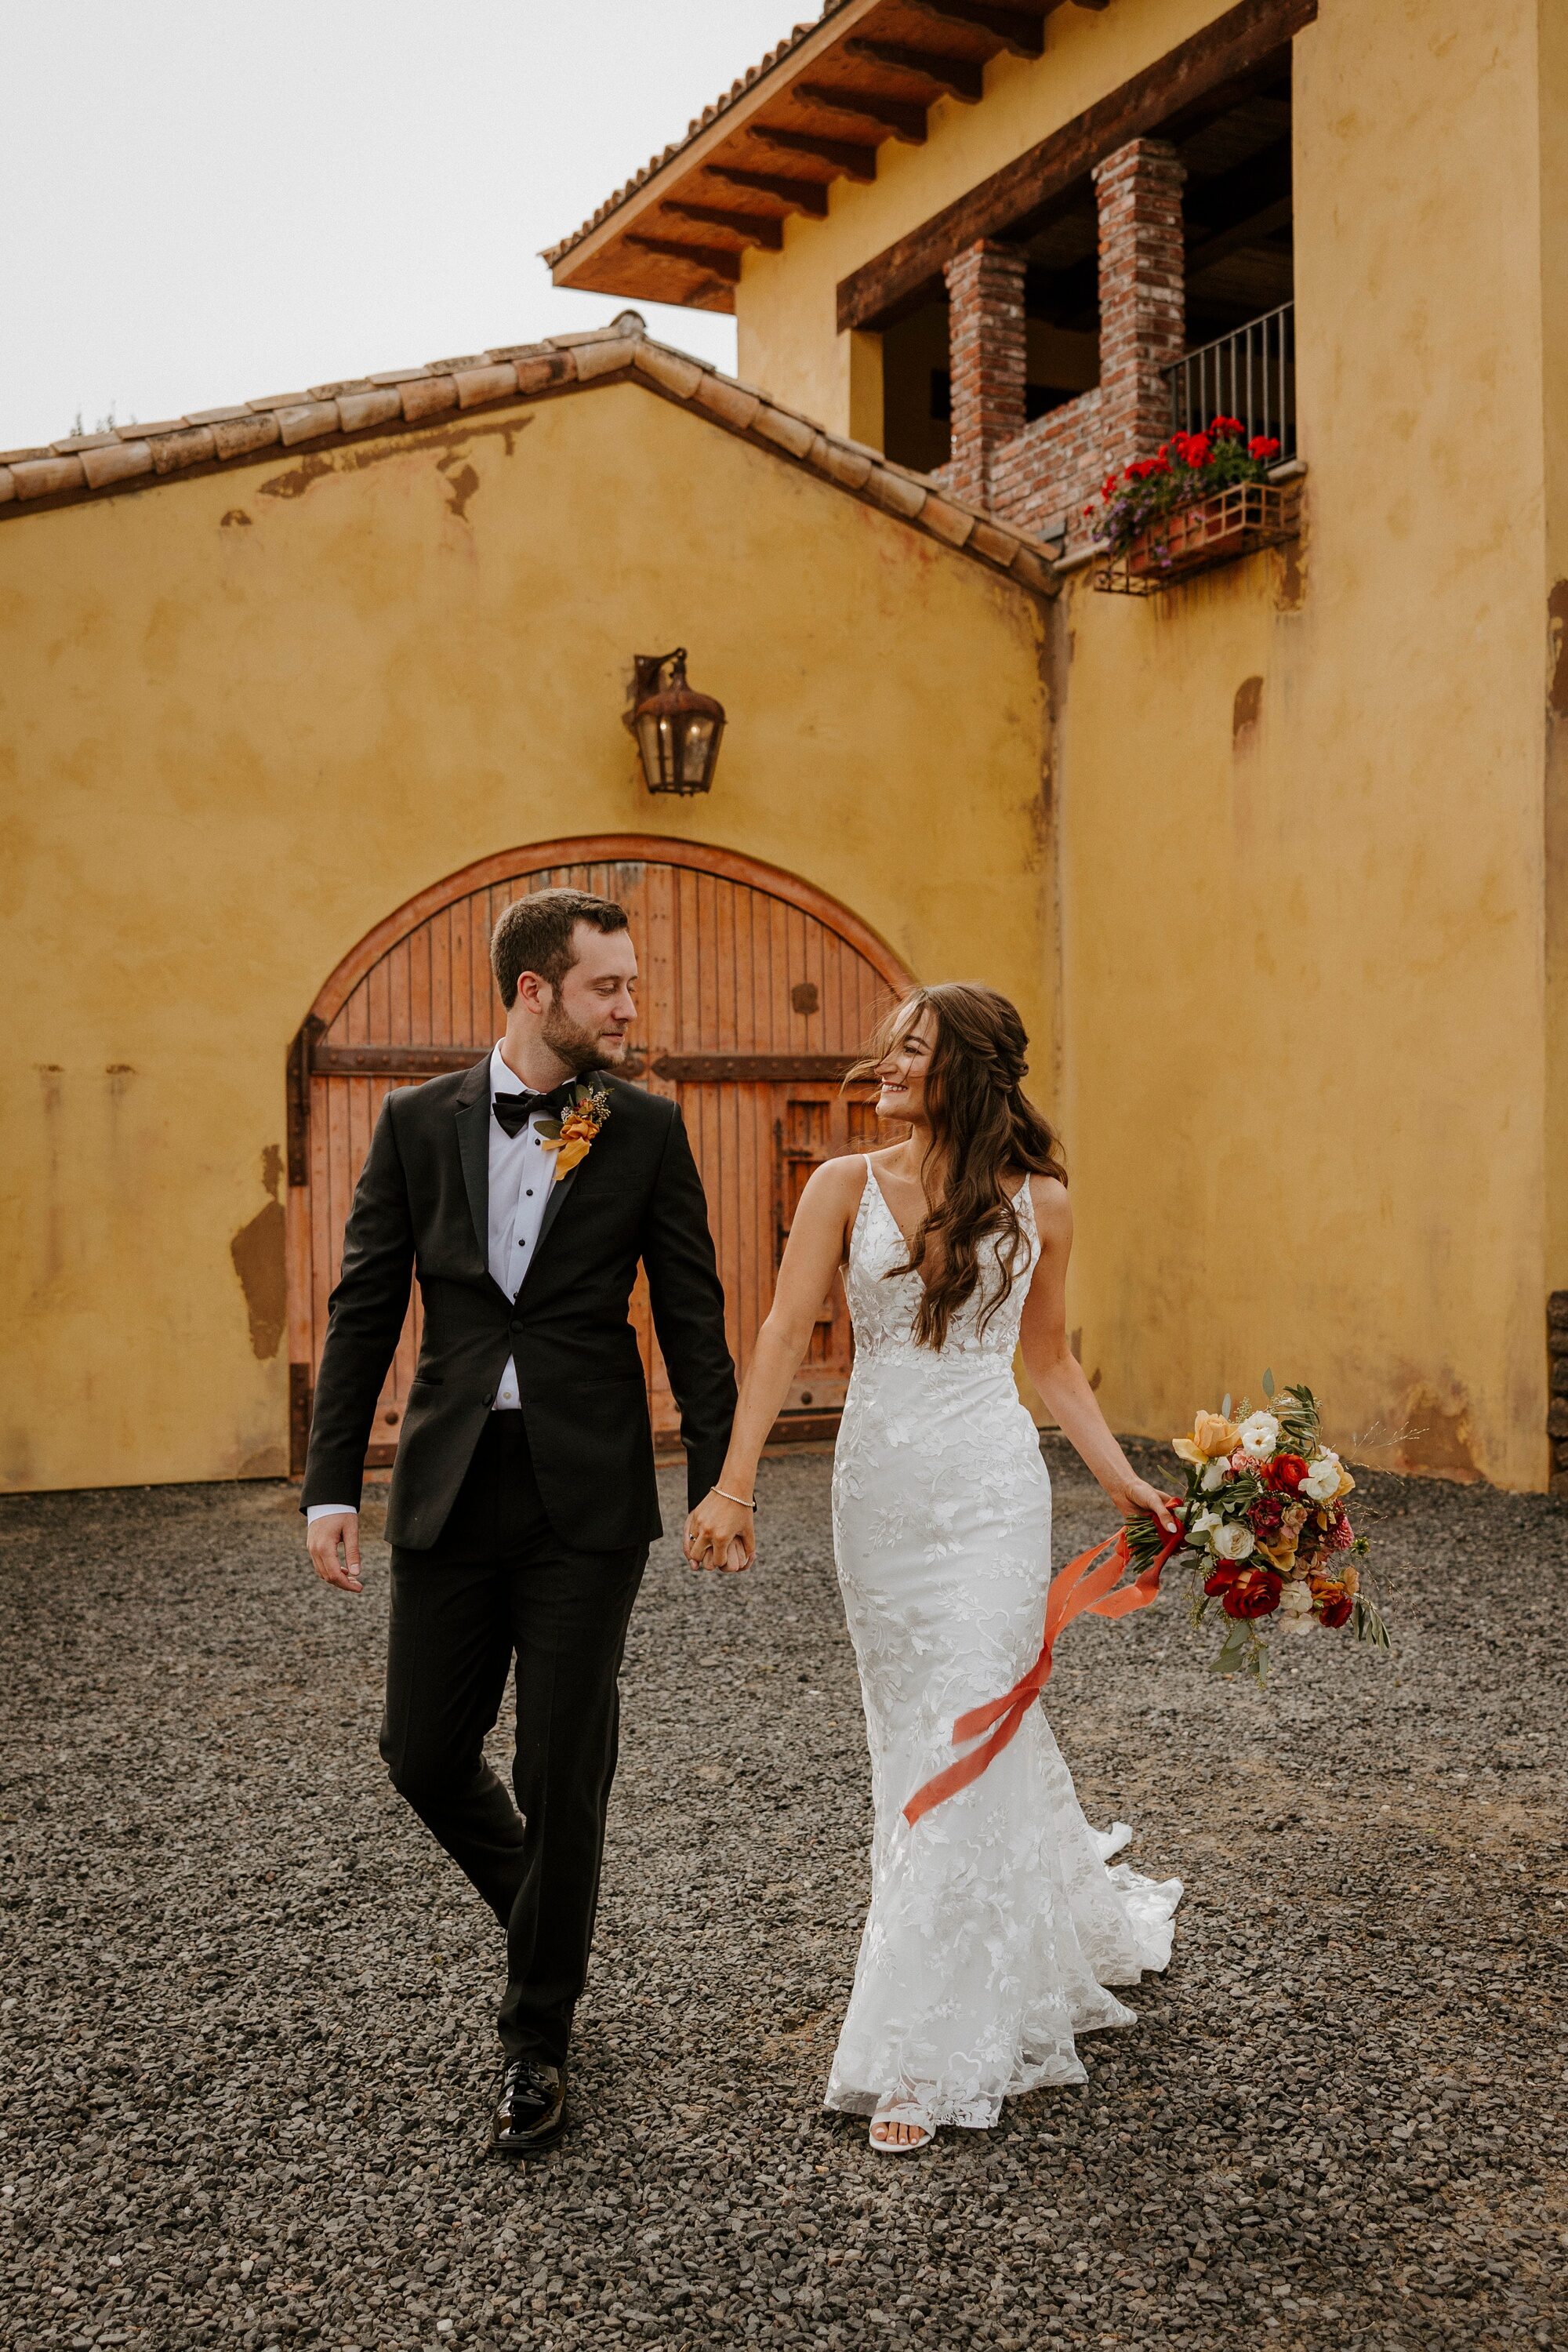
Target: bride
column 995, row 1924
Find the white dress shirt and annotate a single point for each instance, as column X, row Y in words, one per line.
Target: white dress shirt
column 521, row 1174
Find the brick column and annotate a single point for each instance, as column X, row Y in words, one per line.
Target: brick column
column 1143, row 294
column 986, row 360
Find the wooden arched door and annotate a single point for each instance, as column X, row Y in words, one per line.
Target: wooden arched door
column 756, row 992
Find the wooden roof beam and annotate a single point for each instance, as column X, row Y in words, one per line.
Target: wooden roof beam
column 960, row 78
column 718, row 260
column 764, row 229
column 855, row 161
column 1024, row 34
column 901, row 116
column 808, row 197
column 1245, row 38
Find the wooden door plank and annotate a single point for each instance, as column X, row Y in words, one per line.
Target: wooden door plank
column 658, row 955
column 438, row 932
column 462, row 977
column 419, row 986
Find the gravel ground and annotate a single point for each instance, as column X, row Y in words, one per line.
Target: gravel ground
column 246, row 2008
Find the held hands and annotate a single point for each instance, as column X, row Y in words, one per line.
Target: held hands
column 328, row 1535
column 1131, row 1496
column 720, row 1534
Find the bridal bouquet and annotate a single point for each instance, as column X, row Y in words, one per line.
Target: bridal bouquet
column 1266, row 1533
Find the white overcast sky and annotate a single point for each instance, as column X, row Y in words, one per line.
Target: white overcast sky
column 204, row 204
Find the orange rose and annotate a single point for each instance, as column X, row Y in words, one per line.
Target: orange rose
column 1213, row 1437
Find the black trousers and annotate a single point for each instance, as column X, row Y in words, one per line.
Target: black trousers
column 500, row 1584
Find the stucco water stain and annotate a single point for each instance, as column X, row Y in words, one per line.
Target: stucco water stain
column 1245, row 712
column 454, row 441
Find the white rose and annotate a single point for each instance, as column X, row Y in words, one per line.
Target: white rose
column 1234, row 1540
column 1295, row 1622
column 1214, row 1476
column 1259, row 1434
column 1295, row 1601
column 1203, row 1523
column 1322, row 1478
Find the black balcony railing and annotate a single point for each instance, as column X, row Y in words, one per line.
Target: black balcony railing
column 1250, row 374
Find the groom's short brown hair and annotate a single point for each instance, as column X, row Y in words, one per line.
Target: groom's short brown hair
column 535, row 934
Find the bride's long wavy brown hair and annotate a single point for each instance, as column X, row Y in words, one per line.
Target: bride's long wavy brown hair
column 983, row 1130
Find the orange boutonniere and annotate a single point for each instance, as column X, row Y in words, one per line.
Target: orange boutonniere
column 573, row 1136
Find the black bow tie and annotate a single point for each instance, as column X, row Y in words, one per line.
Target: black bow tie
column 514, row 1111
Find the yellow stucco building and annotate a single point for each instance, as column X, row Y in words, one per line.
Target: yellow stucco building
column 295, row 694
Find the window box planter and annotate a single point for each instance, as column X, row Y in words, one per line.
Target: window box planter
column 1229, row 523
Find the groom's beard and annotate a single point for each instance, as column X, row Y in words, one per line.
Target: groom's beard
column 581, row 1049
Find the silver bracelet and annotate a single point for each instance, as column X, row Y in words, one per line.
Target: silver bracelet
column 732, row 1498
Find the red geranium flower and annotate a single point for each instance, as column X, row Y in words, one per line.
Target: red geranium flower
column 1254, row 1593
column 1261, row 446
column 1227, row 425
column 1196, row 452
column 1107, row 490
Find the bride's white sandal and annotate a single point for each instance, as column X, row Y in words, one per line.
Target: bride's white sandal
column 900, row 2111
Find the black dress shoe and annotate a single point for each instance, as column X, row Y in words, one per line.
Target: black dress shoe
column 531, row 2113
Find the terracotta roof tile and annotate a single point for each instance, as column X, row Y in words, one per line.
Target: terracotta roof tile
column 308, row 422
column 694, row 129
column 96, row 464
column 358, row 411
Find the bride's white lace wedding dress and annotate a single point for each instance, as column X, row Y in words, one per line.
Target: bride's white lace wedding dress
column 995, row 1924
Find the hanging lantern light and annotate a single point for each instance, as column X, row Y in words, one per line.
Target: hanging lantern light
column 677, row 730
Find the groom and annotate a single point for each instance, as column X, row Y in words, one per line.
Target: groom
column 522, row 1194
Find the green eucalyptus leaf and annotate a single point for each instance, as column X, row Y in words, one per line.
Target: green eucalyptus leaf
column 1268, row 1385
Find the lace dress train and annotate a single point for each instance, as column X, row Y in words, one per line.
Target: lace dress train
column 996, row 1925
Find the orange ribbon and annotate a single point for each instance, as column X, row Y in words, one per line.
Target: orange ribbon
column 1082, row 1586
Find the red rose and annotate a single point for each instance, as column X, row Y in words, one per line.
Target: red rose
column 1255, row 1592
column 1261, row 446
column 1335, row 1609
column 1285, row 1470
column 1220, row 1579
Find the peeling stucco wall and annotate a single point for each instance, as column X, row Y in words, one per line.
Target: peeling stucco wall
column 246, row 716
column 1304, row 861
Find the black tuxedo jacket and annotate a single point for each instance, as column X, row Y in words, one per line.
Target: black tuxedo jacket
column 422, row 1207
